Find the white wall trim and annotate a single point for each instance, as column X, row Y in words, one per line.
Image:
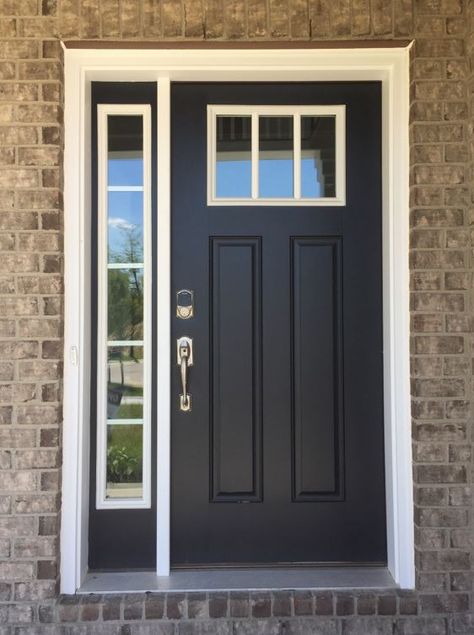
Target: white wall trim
column 391, row 67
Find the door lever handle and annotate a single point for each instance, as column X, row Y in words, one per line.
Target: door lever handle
column 184, row 356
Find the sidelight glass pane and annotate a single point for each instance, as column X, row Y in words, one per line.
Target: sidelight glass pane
column 125, row 150
column 125, row 382
column 275, row 165
column 125, row 226
column 123, row 343
column 234, row 157
column 125, row 304
column 318, row 156
column 124, row 461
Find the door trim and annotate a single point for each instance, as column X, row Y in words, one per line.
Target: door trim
column 390, row 66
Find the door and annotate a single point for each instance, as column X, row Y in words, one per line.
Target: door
column 279, row 458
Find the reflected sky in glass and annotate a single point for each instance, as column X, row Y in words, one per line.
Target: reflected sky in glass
column 234, row 179
column 125, row 171
column 232, row 172
column 125, row 150
column 310, row 185
column 125, row 226
column 233, row 157
column 275, row 178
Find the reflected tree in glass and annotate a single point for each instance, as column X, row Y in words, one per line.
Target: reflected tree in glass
column 125, row 305
column 130, row 245
column 125, row 301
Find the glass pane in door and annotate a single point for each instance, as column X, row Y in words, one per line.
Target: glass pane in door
column 318, row 156
column 125, row 150
column 233, row 157
column 275, row 165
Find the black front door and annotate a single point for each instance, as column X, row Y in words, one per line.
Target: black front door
column 280, row 459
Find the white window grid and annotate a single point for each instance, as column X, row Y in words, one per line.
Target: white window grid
column 337, row 111
column 103, row 343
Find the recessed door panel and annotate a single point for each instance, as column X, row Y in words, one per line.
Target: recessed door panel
column 236, row 417
column 317, row 369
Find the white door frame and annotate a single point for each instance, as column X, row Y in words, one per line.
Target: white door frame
column 389, row 66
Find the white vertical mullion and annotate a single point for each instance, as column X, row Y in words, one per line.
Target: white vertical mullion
column 211, row 153
column 163, row 329
column 341, row 154
column 254, row 152
column 147, row 290
column 101, row 303
column 297, row 155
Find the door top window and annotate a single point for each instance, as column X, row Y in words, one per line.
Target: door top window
column 276, row 155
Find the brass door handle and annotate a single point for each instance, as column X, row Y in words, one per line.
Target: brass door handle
column 184, row 356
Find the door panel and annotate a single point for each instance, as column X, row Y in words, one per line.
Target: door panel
column 317, row 368
column 236, row 324
column 281, row 458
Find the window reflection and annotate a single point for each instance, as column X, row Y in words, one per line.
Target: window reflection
column 318, row 156
column 233, row 157
column 125, row 150
column 275, row 165
column 124, row 461
column 125, row 226
column 125, row 304
column 125, row 382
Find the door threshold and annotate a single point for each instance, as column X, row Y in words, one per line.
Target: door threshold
column 240, row 579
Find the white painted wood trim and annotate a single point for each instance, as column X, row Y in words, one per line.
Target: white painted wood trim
column 102, row 502
column 396, row 322
column 254, row 150
column 163, row 350
column 389, row 66
column 76, row 436
column 125, row 188
column 125, row 265
column 297, row 156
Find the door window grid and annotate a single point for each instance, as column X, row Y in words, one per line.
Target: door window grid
column 124, row 363
column 255, row 114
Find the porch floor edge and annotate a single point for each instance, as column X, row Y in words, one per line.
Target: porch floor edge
column 352, row 578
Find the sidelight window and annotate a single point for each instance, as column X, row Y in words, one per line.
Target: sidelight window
column 123, row 307
column 276, row 155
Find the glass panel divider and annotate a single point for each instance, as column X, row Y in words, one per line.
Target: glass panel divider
column 125, row 265
column 297, row 156
column 255, row 150
column 125, row 188
column 125, row 343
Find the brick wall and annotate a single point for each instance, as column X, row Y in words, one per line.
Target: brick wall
column 442, row 179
